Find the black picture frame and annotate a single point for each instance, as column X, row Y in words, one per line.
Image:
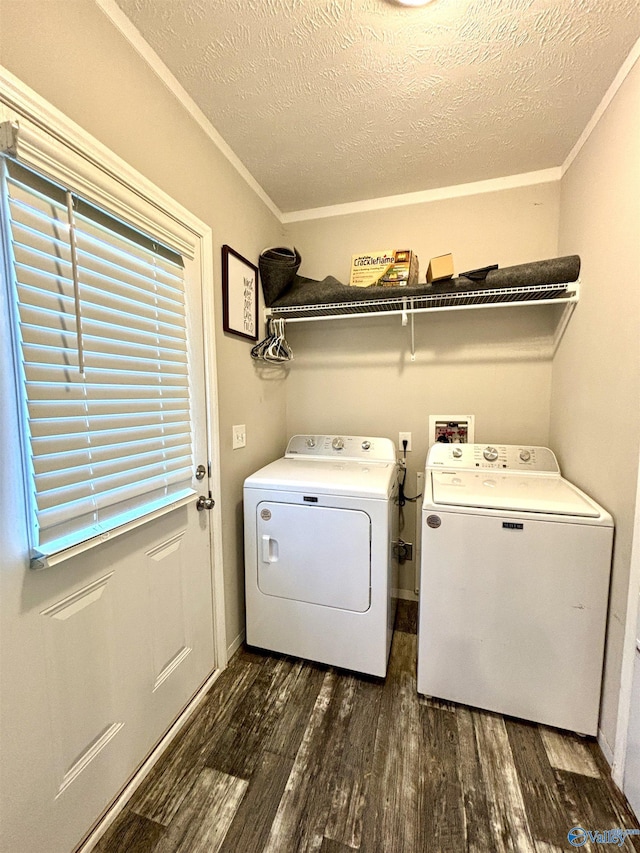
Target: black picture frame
column 239, row 295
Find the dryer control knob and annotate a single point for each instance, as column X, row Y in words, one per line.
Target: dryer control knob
column 490, row 454
column 338, row 444
column 456, row 452
column 311, row 442
column 525, row 455
column 366, row 445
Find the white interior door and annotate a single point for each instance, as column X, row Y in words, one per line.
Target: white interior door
column 631, row 785
column 626, row 770
column 101, row 652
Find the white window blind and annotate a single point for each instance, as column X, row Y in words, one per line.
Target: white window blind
column 102, row 337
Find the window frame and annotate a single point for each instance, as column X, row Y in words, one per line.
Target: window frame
column 42, row 139
column 145, row 269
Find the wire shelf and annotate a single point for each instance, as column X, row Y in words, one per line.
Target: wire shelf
column 537, row 294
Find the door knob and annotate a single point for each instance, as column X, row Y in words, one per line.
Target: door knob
column 204, row 503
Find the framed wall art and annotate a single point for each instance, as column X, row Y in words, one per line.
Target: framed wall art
column 239, row 295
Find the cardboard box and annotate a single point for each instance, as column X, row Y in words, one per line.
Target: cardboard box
column 440, row 268
column 388, row 268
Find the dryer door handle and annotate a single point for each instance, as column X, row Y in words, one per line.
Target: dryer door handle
column 269, row 549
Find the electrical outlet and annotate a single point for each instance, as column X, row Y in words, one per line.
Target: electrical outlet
column 404, row 436
column 239, row 435
column 408, row 551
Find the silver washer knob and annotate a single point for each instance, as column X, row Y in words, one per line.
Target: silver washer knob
column 490, row 454
column 457, row 452
column 366, row 445
column 338, row 444
column 525, row 455
column 311, row 442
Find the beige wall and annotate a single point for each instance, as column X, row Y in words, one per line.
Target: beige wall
column 357, row 377
column 595, row 401
column 69, row 52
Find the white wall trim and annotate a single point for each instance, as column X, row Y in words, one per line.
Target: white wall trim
column 405, row 594
column 216, row 532
column 146, row 52
column 603, row 743
column 146, row 767
column 526, row 179
column 235, row 645
column 52, row 143
column 117, row 17
column 628, row 650
column 610, row 94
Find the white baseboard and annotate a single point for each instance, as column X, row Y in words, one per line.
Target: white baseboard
column 145, row 768
column 235, row 645
column 606, row 749
column 405, row 594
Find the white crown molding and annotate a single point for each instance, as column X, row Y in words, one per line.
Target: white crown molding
column 94, row 177
column 526, row 179
column 44, row 138
column 146, row 52
column 610, row 94
column 117, row 17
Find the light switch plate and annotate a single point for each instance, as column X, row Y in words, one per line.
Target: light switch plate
column 239, row 436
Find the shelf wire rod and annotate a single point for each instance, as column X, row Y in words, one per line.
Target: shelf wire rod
column 419, row 310
column 421, row 304
column 413, row 334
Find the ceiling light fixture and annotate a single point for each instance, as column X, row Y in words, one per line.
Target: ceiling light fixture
column 413, row 2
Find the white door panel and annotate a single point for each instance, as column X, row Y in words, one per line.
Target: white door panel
column 169, row 629
column 83, row 714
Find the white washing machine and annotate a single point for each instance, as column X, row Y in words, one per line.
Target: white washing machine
column 320, row 563
column 514, row 584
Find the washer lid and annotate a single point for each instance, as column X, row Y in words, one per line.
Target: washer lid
column 326, row 477
column 492, row 490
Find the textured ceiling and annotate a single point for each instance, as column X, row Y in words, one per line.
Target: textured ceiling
column 330, row 101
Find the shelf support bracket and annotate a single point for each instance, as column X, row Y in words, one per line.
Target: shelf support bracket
column 569, row 308
column 407, row 309
column 413, row 334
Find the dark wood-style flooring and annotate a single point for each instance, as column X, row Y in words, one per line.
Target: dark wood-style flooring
column 286, row 756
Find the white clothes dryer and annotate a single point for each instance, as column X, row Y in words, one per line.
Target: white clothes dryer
column 320, row 563
column 514, row 584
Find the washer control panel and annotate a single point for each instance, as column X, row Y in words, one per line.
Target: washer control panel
column 359, row 447
column 511, row 457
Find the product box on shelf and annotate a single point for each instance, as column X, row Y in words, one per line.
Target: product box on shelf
column 440, row 268
column 387, row 268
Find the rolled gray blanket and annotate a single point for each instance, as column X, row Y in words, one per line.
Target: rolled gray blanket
column 552, row 271
column 278, row 267
column 308, row 291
